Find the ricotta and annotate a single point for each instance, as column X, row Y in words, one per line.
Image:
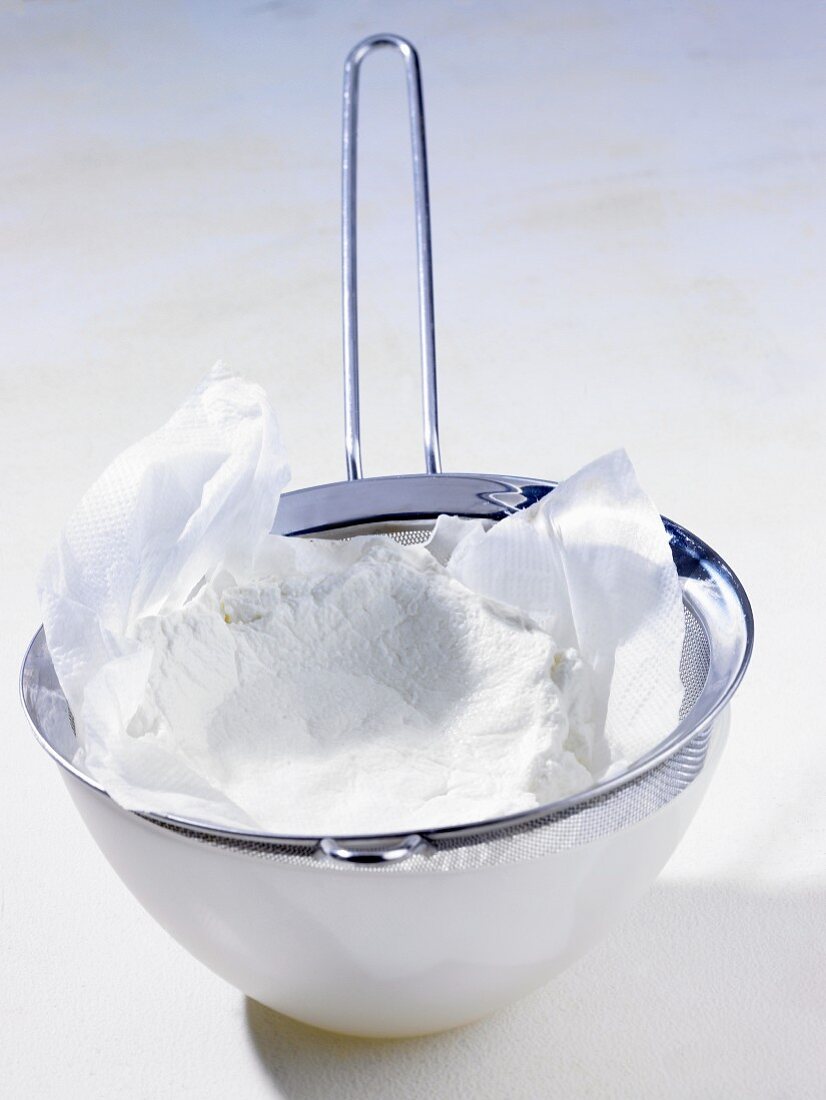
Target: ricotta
column 361, row 689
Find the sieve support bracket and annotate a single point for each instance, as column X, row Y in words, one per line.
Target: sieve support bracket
column 371, row 852
column 349, row 277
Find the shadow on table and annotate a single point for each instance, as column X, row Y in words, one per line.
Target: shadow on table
column 704, row 991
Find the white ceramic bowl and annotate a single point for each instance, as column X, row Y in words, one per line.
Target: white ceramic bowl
column 398, row 936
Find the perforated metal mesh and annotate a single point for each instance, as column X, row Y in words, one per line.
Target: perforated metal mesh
column 694, row 660
column 410, row 536
column 549, row 833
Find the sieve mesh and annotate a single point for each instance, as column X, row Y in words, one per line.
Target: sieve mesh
column 544, row 835
column 410, row 536
column 694, row 660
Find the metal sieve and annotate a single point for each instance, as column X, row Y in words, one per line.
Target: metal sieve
column 715, row 653
column 719, row 624
column 404, row 934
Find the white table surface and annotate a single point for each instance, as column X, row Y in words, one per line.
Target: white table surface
column 630, row 239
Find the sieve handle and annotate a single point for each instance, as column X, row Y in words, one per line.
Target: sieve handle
column 349, row 280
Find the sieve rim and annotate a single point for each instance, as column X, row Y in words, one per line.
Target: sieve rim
column 688, row 546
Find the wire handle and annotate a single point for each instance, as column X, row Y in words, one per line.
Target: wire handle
column 349, row 280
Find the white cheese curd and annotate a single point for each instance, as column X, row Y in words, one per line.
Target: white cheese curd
column 362, row 689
